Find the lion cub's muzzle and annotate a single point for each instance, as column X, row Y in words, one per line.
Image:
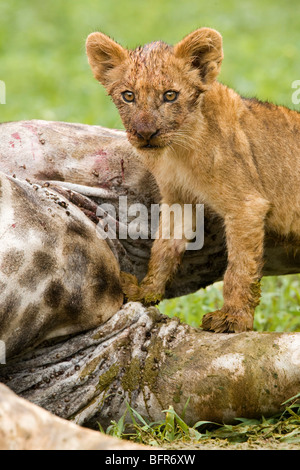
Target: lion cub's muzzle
column 145, row 138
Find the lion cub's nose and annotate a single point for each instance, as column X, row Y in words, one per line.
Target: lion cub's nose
column 147, row 134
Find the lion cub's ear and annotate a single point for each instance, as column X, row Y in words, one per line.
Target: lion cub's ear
column 103, row 55
column 203, row 49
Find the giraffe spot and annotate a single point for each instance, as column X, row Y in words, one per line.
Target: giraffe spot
column 2, row 287
column 9, row 308
column 106, row 282
column 74, row 304
column 12, row 260
column 77, row 261
column 43, row 262
column 42, row 266
column 76, row 227
column 54, row 294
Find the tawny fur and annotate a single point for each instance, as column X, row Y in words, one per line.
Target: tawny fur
column 239, row 156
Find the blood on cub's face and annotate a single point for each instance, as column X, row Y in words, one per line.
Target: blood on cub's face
column 157, row 87
column 154, row 101
column 151, row 116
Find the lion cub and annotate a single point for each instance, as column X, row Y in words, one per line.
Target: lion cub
column 206, row 144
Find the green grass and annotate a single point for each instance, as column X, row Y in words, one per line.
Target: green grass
column 280, row 431
column 47, row 76
column 279, row 309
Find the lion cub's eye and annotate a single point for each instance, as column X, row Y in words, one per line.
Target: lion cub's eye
column 128, row 96
column 170, row 96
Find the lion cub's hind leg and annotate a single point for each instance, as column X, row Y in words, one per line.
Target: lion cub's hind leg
column 245, row 230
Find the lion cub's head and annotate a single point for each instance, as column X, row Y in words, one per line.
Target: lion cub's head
column 157, row 87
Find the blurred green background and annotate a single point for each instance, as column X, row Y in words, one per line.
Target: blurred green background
column 43, row 64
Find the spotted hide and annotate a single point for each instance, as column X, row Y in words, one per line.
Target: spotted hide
column 57, row 276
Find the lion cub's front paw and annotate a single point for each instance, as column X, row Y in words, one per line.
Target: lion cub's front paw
column 130, row 286
column 148, row 297
column 135, row 293
column 228, row 321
